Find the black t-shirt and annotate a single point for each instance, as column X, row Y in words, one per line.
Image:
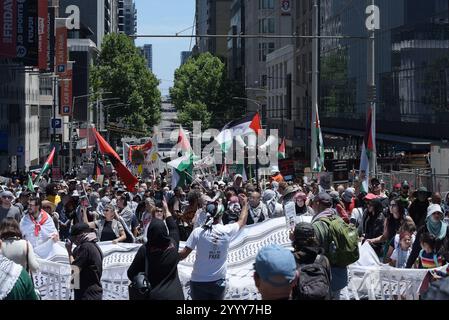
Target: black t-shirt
column 89, row 260
column 108, row 234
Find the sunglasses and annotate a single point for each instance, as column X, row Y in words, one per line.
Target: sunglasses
column 46, row 207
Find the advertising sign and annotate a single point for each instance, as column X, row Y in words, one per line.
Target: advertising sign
column 66, row 91
column 286, row 7
column 60, row 46
column 42, row 27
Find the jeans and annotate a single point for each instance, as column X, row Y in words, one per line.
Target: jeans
column 214, row 290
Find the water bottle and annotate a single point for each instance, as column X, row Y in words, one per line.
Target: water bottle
column 333, row 248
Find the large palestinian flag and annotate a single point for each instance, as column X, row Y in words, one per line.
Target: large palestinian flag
column 242, row 127
column 367, row 151
column 281, row 150
column 47, row 165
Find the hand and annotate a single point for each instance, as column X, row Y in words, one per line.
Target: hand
column 114, row 241
column 243, row 199
column 55, row 237
column 370, row 241
column 291, row 235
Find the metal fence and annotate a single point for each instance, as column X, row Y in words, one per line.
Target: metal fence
column 417, row 178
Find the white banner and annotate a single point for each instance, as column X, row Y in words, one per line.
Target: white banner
column 368, row 277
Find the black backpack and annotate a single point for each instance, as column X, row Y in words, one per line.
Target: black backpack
column 313, row 282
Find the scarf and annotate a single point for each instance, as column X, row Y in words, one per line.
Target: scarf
column 257, row 213
column 38, row 225
column 269, row 198
column 325, row 214
column 9, row 273
column 438, row 229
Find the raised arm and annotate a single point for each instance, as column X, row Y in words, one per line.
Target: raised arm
column 244, row 214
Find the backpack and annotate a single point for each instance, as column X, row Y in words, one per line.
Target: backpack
column 313, row 282
column 343, row 244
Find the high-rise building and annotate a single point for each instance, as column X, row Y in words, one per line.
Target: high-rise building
column 127, row 16
column 148, row 54
column 212, row 17
column 236, row 46
column 264, row 17
column 411, row 70
column 184, row 56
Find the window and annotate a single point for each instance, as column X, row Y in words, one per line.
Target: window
column 266, row 25
column 266, row 4
column 263, row 80
column 264, row 49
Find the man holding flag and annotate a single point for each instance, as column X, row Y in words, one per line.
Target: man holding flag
column 46, row 166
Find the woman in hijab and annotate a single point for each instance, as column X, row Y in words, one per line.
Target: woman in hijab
column 434, row 225
column 301, row 207
column 161, row 250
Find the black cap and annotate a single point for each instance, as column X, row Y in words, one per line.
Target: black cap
column 324, row 198
column 304, row 231
column 79, row 228
column 375, row 181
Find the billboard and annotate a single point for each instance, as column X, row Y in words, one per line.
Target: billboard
column 23, row 29
column 42, row 23
column 60, row 46
column 66, row 91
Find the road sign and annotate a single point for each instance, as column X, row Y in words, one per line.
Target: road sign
column 56, row 123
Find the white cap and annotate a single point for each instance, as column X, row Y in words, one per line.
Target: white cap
column 434, row 208
column 274, row 169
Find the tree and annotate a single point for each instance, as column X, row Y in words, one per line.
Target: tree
column 121, row 69
column 194, row 112
column 202, row 82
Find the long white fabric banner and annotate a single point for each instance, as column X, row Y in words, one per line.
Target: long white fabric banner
column 369, row 279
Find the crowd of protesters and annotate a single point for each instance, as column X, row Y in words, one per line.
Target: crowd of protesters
column 406, row 228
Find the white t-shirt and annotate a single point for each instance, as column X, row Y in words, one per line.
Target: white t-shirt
column 396, row 240
column 211, row 251
column 401, row 257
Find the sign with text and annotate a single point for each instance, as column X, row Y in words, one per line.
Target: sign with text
column 66, row 91
column 286, row 7
column 42, row 27
column 22, row 30
column 60, row 46
column 340, row 171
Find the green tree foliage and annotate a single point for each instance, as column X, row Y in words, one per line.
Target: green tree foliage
column 202, row 83
column 121, row 69
column 194, row 112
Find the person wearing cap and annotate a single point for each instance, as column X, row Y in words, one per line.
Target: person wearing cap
column 37, row 226
column 396, row 188
column 88, row 260
column 348, row 200
column 51, row 192
column 307, row 251
column 276, row 175
column 274, row 272
column 418, row 208
column 208, row 280
column 405, row 194
column 7, row 209
column 322, row 206
column 435, row 226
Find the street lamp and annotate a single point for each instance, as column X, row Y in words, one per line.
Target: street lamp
column 113, row 106
column 251, row 100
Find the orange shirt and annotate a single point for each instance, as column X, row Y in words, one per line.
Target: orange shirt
column 278, row 178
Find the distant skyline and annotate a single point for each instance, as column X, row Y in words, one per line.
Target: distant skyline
column 165, row 17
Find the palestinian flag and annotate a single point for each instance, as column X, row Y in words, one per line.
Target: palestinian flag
column 30, row 185
column 243, row 127
column 281, row 150
column 183, row 143
column 367, row 152
column 318, row 165
column 47, row 165
column 124, row 174
column 182, row 170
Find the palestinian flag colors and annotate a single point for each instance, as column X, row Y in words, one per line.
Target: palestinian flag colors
column 182, row 170
column 30, row 185
column 281, row 150
column 243, row 127
column 183, row 143
column 127, row 177
column 47, row 165
column 367, row 151
column 318, row 165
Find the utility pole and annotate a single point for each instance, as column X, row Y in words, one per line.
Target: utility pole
column 53, row 140
column 372, row 23
column 315, row 75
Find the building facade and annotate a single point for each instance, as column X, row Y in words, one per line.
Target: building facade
column 212, row 18
column 127, row 17
column 412, row 71
column 236, row 46
column 148, row 54
column 185, row 55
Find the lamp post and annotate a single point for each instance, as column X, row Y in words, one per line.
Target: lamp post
column 251, row 100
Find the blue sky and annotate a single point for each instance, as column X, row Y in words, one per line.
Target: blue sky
column 165, row 17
